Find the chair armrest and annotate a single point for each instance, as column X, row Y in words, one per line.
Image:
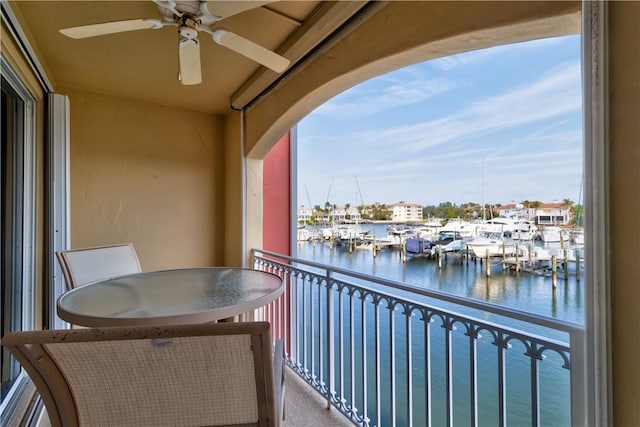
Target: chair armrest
column 278, row 375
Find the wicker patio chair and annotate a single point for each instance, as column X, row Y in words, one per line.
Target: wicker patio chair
column 189, row 375
column 82, row 266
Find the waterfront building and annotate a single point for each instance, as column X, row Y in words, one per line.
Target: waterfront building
column 552, row 214
column 322, row 216
column 353, row 214
column 406, row 212
column 338, row 214
column 304, row 213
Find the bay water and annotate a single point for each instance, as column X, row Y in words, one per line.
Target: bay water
column 525, row 291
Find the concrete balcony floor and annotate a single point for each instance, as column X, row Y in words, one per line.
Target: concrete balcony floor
column 304, row 407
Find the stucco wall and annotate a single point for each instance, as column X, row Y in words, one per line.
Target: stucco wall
column 624, row 87
column 277, row 201
column 147, row 174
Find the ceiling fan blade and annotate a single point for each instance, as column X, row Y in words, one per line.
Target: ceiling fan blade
column 251, row 50
column 94, row 30
column 225, row 9
column 189, row 54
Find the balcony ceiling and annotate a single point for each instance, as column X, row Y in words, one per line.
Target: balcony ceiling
column 143, row 64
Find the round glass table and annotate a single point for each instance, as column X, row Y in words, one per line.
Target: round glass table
column 189, row 295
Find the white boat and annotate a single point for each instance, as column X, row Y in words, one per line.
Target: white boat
column 344, row 232
column 524, row 230
column 453, row 246
column 551, row 234
column 429, row 230
column 401, row 230
column 461, row 228
column 500, row 225
column 303, row 235
column 368, row 245
column 491, row 244
column 577, row 237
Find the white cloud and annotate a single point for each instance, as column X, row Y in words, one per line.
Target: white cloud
column 555, row 94
column 450, row 62
column 378, row 99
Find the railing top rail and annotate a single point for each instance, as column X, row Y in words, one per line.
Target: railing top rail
column 574, row 329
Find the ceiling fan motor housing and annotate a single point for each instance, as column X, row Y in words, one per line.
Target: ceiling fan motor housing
column 195, row 10
column 188, row 32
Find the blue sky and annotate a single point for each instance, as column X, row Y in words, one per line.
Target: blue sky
column 421, row 134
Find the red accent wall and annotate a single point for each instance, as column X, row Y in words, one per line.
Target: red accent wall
column 276, row 201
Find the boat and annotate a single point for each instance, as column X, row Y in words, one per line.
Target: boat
column 344, row 232
column 368, row 245
column 500, row 225
column 524, row 230
column 305, row 234
column 577, row 236
column 463, row 228
column 492, row 244
column 429, row 230
column 447, row 241
column 418, row 246
column 552, row 234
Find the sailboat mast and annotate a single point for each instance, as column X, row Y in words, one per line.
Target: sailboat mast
column 359, row 192
column 484, row 215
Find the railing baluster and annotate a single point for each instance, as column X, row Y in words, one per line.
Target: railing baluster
column 363, row 328
column 409, row 363
column 353, row 352
column 286, row 302
column 330, row 342
column 392, row 362
column 448, row 327
column 378, row 417
column 535, row 387
column 427, row 367
column 341, row 343
column 473, row 375
column 502, row 380
column 293, row 315
column 305, row 362
column 321, row 337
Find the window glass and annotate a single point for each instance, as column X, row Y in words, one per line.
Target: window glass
column 10, row 226
column 17, row 224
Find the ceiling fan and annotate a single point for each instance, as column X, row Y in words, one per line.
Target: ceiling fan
column 192, row 18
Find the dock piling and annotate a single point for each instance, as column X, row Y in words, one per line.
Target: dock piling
column 488, row 263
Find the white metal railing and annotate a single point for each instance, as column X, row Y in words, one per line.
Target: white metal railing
column 373, row 349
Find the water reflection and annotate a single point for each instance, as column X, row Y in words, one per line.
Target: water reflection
column 523, row 290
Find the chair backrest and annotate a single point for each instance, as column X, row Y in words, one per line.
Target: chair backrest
column 82, row 266
column 207, row 374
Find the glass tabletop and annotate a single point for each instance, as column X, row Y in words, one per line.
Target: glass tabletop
column 191, row 295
